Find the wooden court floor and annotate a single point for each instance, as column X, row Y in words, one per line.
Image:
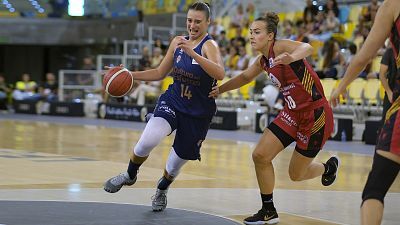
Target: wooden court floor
column 53, row 161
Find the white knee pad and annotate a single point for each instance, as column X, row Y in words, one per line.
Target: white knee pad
column 174, row 163
column 155, row 131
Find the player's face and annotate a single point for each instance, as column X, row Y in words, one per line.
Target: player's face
column 196, row 23
column 259, row 38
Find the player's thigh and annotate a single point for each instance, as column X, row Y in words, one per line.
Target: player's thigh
column 268, row 146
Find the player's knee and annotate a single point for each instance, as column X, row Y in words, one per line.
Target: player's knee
column 295, row 175
column 260, row 157
column 381, row 177
column 143, row 148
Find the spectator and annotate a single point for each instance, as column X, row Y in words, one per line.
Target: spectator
column 158, row 43
column 145, row 89
column 331, row 5
column 48, row 90
column 333, row 60
column 215, row 29
column 243, row 61
column 238, row 40
column 310, row 11
column 332, row 23
column 25, row 89
column 222, row 40
column 157, row 57
column 5, row 90
column 88, row 64
column 288, row 32
column 145, row 61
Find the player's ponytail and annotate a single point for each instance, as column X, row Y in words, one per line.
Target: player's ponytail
column 272, row 20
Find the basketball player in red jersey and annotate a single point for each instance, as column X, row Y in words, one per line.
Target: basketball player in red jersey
column 386, row 164
column 306, row 118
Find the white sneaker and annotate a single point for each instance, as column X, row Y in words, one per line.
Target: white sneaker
column 159, row 200
column 114, row 184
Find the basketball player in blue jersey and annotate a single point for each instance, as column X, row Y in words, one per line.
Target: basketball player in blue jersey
column 195, row 63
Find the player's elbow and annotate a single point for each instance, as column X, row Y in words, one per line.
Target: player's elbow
column 220, row 74
column 309, row 48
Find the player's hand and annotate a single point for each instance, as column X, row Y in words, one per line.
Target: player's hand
column 284, row 58
column 214, row 92
column 110, row 67
column 335, row 96
column 390, row 96
column 185, row 45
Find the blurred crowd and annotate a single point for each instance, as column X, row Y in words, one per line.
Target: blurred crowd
column 330, row 29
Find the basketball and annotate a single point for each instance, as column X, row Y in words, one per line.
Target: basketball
column 118, row 82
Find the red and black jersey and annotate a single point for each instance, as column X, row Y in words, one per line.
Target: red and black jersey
column 298, row 82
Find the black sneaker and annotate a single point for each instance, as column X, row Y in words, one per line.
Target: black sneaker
column 330, row 177
column 262, row 217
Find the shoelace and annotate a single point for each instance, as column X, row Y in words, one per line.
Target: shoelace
column 159, row 197
column 118, row 180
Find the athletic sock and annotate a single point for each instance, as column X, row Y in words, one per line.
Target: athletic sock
column 133, row 169
column 267, row 202
column 164, row 183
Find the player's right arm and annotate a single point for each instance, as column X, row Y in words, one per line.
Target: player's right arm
column 242, row 79
column 162, row 70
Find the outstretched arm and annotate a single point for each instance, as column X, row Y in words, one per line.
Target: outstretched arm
column 162, row 70
column 243, row 78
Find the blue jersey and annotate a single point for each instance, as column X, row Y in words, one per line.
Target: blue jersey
column 191, row 86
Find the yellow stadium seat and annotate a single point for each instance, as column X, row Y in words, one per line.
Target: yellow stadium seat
column 382, row 92
column 228, row 94
column 247, row 90
column 356, row 89
column 282, row 16
column 317, row 45
column 376, row 64
column 371, row 91
column 298, row 15
column 328, row 84
column 225, row 22
column 166, row 82
column 355, row 12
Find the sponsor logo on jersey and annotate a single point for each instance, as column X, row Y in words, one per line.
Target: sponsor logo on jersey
column 167, row 110
column 178, row 58
column 303, row 138
column 287, row 119
column 271, row 62
column 274, row 80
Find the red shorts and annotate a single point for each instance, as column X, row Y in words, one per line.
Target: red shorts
column 309, row 128
column 389, row 137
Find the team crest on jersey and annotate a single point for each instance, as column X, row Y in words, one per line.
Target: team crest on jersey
column 271, row 62
column 178, row 58
column 274, row 80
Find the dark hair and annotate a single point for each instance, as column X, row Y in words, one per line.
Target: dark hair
column 272, row 20
column 201, row 6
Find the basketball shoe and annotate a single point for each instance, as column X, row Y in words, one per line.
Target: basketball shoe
column 263, row 216
column 114, row 184
column 333, row 165
column 159, row 200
